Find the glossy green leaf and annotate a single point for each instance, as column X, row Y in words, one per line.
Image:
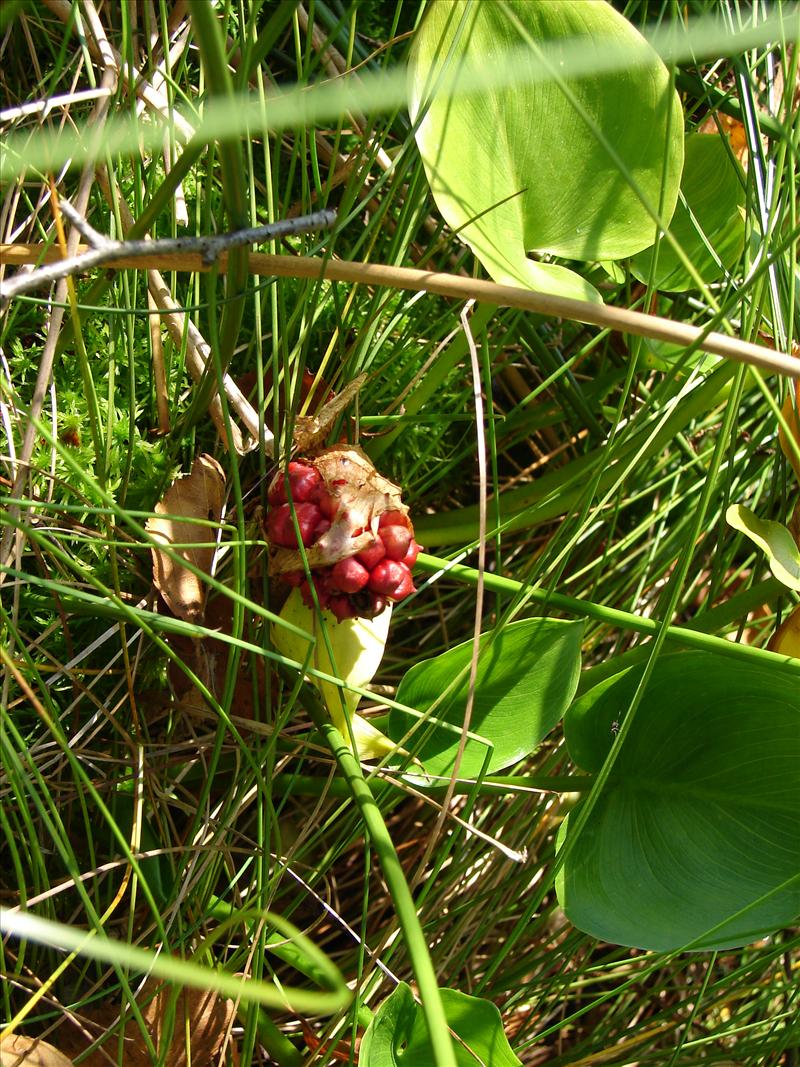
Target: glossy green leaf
column 710, row 212
column 663, row 356
column 527, row 675
column 695, row 839
column 398, row 1037
column 774, row 539
column 535, row 165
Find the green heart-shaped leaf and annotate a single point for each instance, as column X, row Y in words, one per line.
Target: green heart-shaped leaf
column 695, row 840
column 398, row 1035
column 527, row 675
column 538, row 165
column 710, row 212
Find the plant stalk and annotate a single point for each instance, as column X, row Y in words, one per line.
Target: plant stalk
column 350, row 770
column 623, row 320
column 625, row 620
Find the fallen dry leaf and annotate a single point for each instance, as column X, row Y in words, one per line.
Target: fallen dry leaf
column 200, row 1036
column 786, row 639
column 791, row 413
column 733, row 130
column 198, row 495
column 20, row 1051
column 738, row 137
column 311, row 430
column 199, row 1013
column 208, row 659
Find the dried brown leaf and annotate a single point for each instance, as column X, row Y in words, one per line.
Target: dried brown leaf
column 791, row 413
column 198, row 495
column 786, row 639
column 311, row 430
column 202, row 1023
column 202, row 1015
column 208, row 659
column 733, row 129
column 21, row 1051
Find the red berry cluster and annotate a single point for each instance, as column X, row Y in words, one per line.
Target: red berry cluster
column 377, row 571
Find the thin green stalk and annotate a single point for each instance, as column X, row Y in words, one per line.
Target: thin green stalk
column 303, row 105
column 681, row 635
column 277, row 1044
column 90, row 393
column 350, row 769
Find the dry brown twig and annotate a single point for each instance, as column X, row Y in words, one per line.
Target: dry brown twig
column 456, row 287
column 104, row 250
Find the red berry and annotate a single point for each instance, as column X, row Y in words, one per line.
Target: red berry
column 305, row 483
column 372, row 555
column 323, row 595
column 349, row 575
column 327, row 504
column 391, row 579
column 305, row 503
column 393, row 518
column 396, row 541
column 322, row 527
column 342, row 607
column 280, row 530
column 410, row 558
column 280, row 527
